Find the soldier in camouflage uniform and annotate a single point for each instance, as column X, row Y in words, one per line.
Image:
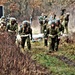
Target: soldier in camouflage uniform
column 12, row 26
column 46, row 33
column 62, row 18
column 54, row 37
column 2, row 24
column 59, row 28
column 66, row 22
column 41, row 21
column 26, row 30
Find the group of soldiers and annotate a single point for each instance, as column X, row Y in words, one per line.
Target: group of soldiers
column 23, row 31
column 54, row 28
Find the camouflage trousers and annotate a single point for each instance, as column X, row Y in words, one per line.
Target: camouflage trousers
column 42, row 29
column 45, row 41
column 66, row 28
column 24, row 41
column 53, row 44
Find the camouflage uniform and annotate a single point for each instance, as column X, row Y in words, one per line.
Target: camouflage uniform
column 41, row 19
column 66, row 22
column 62, row 19
column 45, row 30
column 61, row 27
column 26, row 29
column 54, row 37
column 45, row 38
column 2, row 24
column 12, row 26
column 59, row 30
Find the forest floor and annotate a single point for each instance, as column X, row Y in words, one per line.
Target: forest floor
column 61, row 62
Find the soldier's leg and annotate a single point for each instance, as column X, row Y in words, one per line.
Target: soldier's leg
column 28, row 43
column 23, row 42
column 62, row 29
column 67, row 29
column 52, row 44
column 45, row 42
column 57, row 44
column 41, row 24
column 40, row 28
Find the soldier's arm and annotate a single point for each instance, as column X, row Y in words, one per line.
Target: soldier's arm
column 16, row 28
column 31, row 33
column 20, row 31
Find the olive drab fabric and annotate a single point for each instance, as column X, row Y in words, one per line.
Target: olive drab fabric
column 2, row 24
column 26, row 30
column 66, row 22
column 12, row 25
column 41, row 21
column 53, row 33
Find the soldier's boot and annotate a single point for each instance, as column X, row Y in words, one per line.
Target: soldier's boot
column 50, row 48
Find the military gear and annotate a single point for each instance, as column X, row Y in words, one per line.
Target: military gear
column 45, row 25
column 66, row 22
column 53, row 33
column 58, row 36
column 45, row 38
column 26, row 30
column 13, row 25
column 46, row 32
column 28, row 42
column 41, row 21
column 60, row 25
column 2, row 24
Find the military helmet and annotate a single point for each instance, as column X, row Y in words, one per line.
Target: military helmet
column 12, row 20
column 27, row 23
column 24, row 22
column 53, row 23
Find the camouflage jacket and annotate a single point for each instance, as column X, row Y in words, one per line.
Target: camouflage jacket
column 12, row 27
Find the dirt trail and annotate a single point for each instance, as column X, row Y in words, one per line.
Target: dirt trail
column 64, row 59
